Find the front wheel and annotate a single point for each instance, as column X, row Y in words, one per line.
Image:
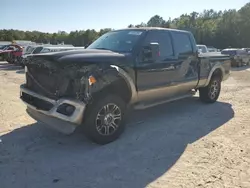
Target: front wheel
column 210, row 93
column 105, row 119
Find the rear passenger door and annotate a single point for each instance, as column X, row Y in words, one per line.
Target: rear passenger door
column 153, row 78
column 186, row 61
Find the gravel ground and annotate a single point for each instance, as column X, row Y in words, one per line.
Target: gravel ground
column 180, row 144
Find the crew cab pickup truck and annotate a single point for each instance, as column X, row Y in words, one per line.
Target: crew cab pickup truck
column 123, row 69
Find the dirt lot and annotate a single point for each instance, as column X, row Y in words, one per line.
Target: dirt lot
column 181, row 144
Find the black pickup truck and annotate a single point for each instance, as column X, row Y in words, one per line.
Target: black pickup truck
column 135, row 67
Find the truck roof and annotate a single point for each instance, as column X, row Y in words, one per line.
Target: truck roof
column 153, row 28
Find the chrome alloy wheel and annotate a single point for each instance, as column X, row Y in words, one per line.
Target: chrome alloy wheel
column 108, row 119
column 214, row 89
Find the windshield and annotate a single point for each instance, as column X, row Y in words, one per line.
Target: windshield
column 29, row 50
column 118, row 41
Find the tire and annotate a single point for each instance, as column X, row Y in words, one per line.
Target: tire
column 95, row 126
column 206, row 95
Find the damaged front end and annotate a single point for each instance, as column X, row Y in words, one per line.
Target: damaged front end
column 58, row 94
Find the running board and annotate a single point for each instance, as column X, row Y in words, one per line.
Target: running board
column 143, row 106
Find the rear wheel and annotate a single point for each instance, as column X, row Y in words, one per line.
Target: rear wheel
column 105, row 119
column 210, row 93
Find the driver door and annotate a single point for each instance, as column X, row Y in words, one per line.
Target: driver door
column 154, row 78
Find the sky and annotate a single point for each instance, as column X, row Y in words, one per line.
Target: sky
column 70, row 15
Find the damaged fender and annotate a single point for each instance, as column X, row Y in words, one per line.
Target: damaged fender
column 107, row 77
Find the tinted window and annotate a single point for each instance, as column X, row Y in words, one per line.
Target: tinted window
column 228, row 52
column 164, row 40
column 182, row 43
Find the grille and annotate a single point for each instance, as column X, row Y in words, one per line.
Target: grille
column 42, row 81
column 38, row 103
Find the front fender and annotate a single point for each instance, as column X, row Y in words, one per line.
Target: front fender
column 129, row 81
column 110, row 75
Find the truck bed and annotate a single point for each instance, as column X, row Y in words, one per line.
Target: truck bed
column 213, row 55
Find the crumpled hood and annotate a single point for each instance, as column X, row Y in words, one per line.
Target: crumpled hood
column 66, row 73
column 79, row 57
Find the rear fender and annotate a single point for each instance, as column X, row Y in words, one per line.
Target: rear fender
column 216, row 67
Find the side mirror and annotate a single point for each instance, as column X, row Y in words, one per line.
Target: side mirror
column 151, row 52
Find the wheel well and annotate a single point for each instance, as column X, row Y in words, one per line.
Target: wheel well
column 119, row 88
column 218, row 73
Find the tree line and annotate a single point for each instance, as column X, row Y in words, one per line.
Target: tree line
column 221, row 29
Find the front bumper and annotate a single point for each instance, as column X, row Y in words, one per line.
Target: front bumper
column 52, row 117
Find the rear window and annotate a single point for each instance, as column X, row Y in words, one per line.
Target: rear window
column 182, row 43
column 202, row 48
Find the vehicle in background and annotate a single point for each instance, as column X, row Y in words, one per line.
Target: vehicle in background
column 11, row 53
column 239, row 57
column 202, row 48
column 137, row 68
